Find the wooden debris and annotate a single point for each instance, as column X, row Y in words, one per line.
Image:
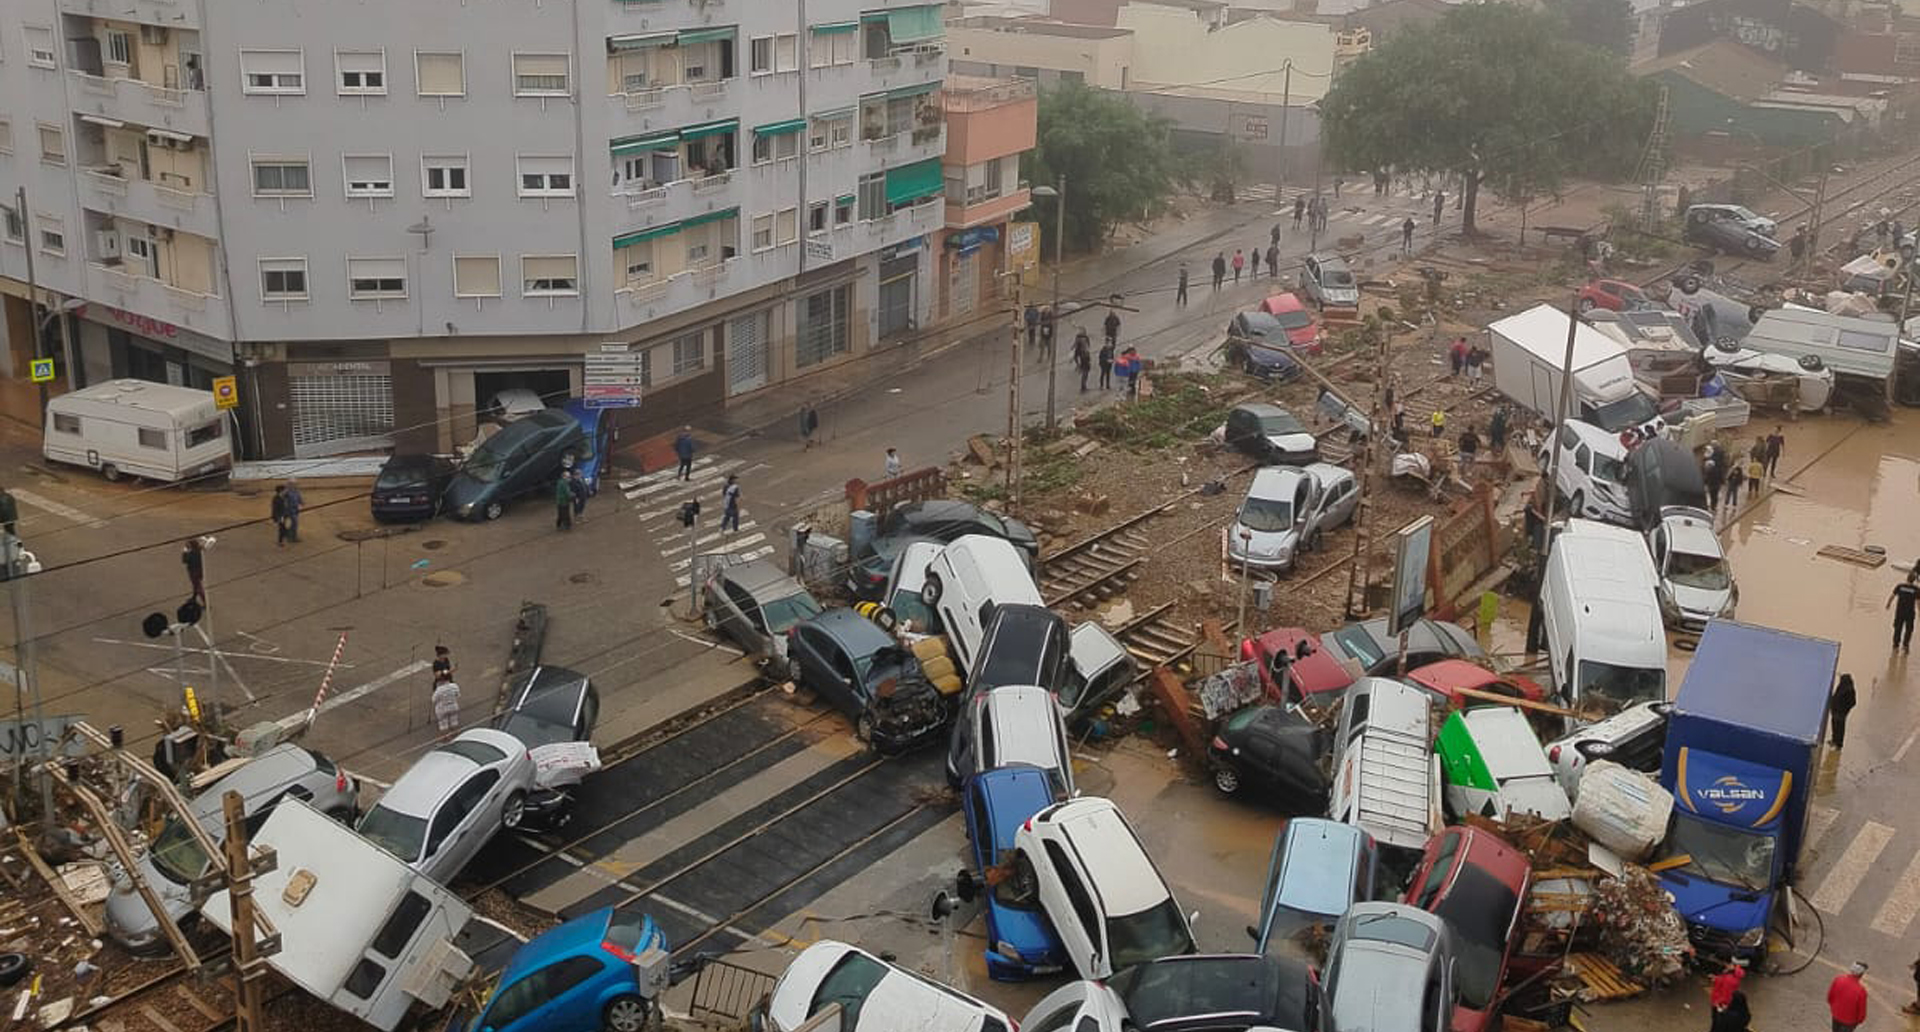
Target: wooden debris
column 980, row 446
column 1870, row 560
column 58, row 885
column 1603, row 981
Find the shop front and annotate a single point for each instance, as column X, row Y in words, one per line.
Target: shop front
column 899, row 288
column 115, row 343
column 970, row 265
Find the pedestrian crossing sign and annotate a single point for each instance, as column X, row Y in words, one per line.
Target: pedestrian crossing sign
column 226, row 392
column 42, row 370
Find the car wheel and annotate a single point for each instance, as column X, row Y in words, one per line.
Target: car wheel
column 1226, row 779
column 13, row 968
column 1577, row 506
column 1688, row 284
column 1313, row 541
column 711, row 619
column 625, row 1014
column 515, row 810
column 110, row 471
column 494, row 509
column 794, row 670
column 930, row 589
column 1585, row 305
column 863, row 728
column 1755, row 245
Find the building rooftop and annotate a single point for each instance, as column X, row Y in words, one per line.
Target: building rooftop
column 1038, row 27
column 1722, row 66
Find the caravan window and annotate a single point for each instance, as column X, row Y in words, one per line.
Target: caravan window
column 365, row 978
column 203, row 433
column 399, row 929
column 66, row 424
column 152, row 439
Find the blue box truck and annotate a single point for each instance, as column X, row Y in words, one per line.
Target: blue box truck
column 1739, row 760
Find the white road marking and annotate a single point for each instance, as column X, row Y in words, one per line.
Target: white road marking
column 190, row 650
column 707, row 476
column 1844, row 877
column 65, row 512
column 708, row 642
column 661, row 474
column 1819, row 820
column 703, row 539
column 299, row 716
column 221, row 658
column 1899, row 908
column 711, row 921
column 1901, row 753
column 759, row 553
column 750, row 539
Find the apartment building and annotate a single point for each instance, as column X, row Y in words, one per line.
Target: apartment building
column 379, row 215
column 991, row 125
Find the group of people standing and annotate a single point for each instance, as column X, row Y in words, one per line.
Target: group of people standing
column 1726, row 474
column 1466, row 358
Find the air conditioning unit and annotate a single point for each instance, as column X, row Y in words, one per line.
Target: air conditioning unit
column 106, row 243
column 155, row 35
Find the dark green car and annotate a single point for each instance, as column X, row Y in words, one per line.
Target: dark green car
column 526, row 456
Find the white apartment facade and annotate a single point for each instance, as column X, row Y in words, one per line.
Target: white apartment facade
column 377, row 215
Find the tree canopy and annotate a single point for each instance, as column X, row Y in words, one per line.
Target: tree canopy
column 1119, row 161
column 1494, row 93
column 1607, row 24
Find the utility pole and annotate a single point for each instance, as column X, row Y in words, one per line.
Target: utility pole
column 1013, row 405
column 1813, row 221
column 1357, row 570
column 33, row 293
column 1059, row 250
column 1286, row 115
column 26, row 670
column 247, row 959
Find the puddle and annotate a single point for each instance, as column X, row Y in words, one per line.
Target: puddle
column 444, row 579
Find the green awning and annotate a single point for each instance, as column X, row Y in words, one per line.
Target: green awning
column 615, row 44
column 793, row 125
column 911, row 182
column 641, row 236
column 914, row 90
column 836, row 27
column 824, row 116
column 915, row 24
column 636, row 144
column 710, row 129
column 845, row 198
column 874, row 16
column 705, row 35
column 712, row 216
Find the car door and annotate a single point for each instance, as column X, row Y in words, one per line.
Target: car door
column 979, row 825
column 1310, row 278
column 1240, row 427
column 1079, row 1007
column 570, row 1002
column 1306, row 501
column 463, row 826
column 807, row 650
column 1070, row 906
column 743, row 616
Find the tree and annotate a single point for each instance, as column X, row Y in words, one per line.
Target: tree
column 1119, row 162
column 1607, row 24
column 1495, row 94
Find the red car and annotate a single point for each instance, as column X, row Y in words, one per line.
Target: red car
column 1303, row 331
column 1478, row 885
column 1315, row 679
column 1612, row 295
column 1446, row 677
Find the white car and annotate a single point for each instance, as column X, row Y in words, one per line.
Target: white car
column 1592, row 471
column 874, row 996
column 1008, row 726
column 452, row 801
column 1696, row 584
column 902, row 593
column 1288, row 509
column 1750, row 373
column 1107, row 901
column 966, row 581
column 1635, row 738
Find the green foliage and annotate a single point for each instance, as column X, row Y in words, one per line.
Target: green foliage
column 1607, row 24
column 1119, row 162
column 1496, row 94
column 1183, row 407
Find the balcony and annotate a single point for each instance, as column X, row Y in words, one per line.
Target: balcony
column 156, row 204
column 902, row 225
column 984, row 210
column 142, row 103
column 172, row 14
column 677, row 293
column 116, row 286
column 668, row 107
column 671, row 202
column 907, row 68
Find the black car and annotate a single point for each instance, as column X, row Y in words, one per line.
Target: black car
column 525, row 456
column 860, row 670
column 1207, row 993
column 1023, row 644
column 1271, row 434
column 549, row 705
column 946, row 520
column 868, row 572
column 1257, row 343
column 1273, row 753
column 1662, row 474
column 409, row 487
column 1731, row 229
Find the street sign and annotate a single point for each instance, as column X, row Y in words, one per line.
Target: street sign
column 616, row 373
column 226, row 392
column 1413, row 544
column 42, row 370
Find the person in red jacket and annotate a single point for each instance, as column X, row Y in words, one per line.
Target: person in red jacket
column 1847, row 998
column 1727, row 982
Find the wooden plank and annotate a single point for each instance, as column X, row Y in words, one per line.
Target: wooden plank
column 159, row 1021
column 199, row 1004
column 58, row 885
column 1870, row 560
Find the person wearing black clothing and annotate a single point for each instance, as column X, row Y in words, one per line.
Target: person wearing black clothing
column 1113, row 328
column 1180, row 298
column 1469, row 449
column 1219, row 269
column 1497, row 429
column 1299, row 210
column 442, row 663
column 195, row 561
column 1273, row 262
column 1734, row 1017
column 1905, row 594
column 1838, row 707
column 1274, row 239
column 1106, row 366
column 1046, row 334
column 1033, row 323
column 1254, row 257
column 1713, row 474
column 1083, row 356
column 281, row 529
column 1776, row 447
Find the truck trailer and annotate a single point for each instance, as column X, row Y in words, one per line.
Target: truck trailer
column 1530, row 350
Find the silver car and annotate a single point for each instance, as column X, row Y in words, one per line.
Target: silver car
column 1287, row 510
column 175, row 860
column 452, row 801
column 1390, row 966
column 755, row 603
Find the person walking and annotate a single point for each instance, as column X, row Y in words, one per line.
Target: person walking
column 683, row 450
column 1905, row 595
column 1083, row 355
column 1112, row 325
column 1273, row 238
column 1736, row 1016
column 1736, row 477
column 1838, row 707
column 1239, row 263
column 1273, row 262
column 1253, row 256
column 1439, row 423
column 563, row 503
column 446, row 705
column 1757, row 459
column 1219, row 269
column 810, row 420
column 1338, row 182
column 1469, row 449
column 1727, row 983
column 1476, row 358
column 1046, row 335
column 1299, row 210
column 442, row 663
column 1033, row 323
column 1135, row 370
column 730, row 507
column 892, row 467
column 1457, row 356
column 1497, row 429
column 279, row 512
column 194, row 558
column 295, row 502
column 577, row 484
column 1406, row 236
column 1776, row 447
column 1439, row 205
column 1180, row 296
column 1317, row 213
column 1713, row 475
column 1847, row 998
column 1756, row 469
column 1106, row 366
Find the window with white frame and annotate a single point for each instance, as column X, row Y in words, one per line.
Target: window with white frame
column 545, row 175
column 53, row 234
column 53, row 144
column 368, row 175
column 827, row 131
column 444, row 175
column 361, row 72
column 822, row 325
column 762, row 232
column 873, row 196
column 786, row 226
column 635, row 262
column 690, row 353
column 476, row 275
column 283, row 279
column 549, row 275
column 440, row 73
column 540, row 75
column 40, row 51
column 13, row 225
column 273, row 72
column 817, row 217
column 275, row 176
column 119, row 49
column 843, row 211
column 769, row 54
column 774, row 147
column 833, row 46
column 374, row 279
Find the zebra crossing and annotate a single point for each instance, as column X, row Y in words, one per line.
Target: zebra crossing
column 658, row 496
column 1835, row 879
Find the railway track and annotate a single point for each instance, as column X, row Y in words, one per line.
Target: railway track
column 1156, row 639
column 1099, row 567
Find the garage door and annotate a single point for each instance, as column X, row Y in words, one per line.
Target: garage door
column 340, row 412
column 749, row 351
column 896, row 293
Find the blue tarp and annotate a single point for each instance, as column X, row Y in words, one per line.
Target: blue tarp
column 1771, row 681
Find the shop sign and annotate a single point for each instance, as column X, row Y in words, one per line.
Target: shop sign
column 969, row 239
column 159, row 331
column 345, row 367
column 1023, row 251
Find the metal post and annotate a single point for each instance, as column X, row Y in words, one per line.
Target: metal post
column 1246, row 552
column 1059, row 249
column 33, row 294
column 1286, row 112
column 26, row 669
column 1013, row 406
column 1813, row 221
column 74, row 379
column 1358, row 570
column 1560, row 407
column 246, row 959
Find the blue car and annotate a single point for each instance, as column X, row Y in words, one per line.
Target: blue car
column 594, row 458
column 580, row 977
column 1319, row 869
column 1021, row 944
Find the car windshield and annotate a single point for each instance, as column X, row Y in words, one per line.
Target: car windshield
column 1217, row 987
column 913, row 613
column 1620, row 684
column 1281, row 423
column 1334, row 276
column 489, row 459
column 177, row 853
column 1632, row 410
column 1744, row 215
column 848, row 984
column 1016, row 892
column 1479, row 909
column 782, row 613
column 1358, row 644
column 1293, row 320
column 1266, row 515
column 1706, row 572
column 392, row 475
column 471, row 749
column 401, row 834
column 1608, row 468
column 1393, row 928
column 1720, row 853
column 1148, row 935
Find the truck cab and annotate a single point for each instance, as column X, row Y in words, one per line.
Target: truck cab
column 1724, row 841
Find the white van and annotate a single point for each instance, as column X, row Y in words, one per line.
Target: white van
column 1495, row 767
column 1591, row 474
column 1386, row 778
column 136, row 428
column 969, row 577
column 1600, row 606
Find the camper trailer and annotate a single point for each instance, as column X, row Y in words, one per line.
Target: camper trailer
column 138, row 429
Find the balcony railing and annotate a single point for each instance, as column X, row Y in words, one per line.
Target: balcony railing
column 712, row 183
column 107, row 182
column 179, row 200
column 645, row 197
column 926, row 134
column 883, row 65
column 885, row 144
column 714, row 90
column 647, row 100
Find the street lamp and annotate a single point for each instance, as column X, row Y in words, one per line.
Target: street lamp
column 1059, row 195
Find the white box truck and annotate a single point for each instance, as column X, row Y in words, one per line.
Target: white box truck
column 1530, row 349
column 135, row 428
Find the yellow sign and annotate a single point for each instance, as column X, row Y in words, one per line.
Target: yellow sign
column 1023, row 251
column 42, row 370
column 226, row 392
